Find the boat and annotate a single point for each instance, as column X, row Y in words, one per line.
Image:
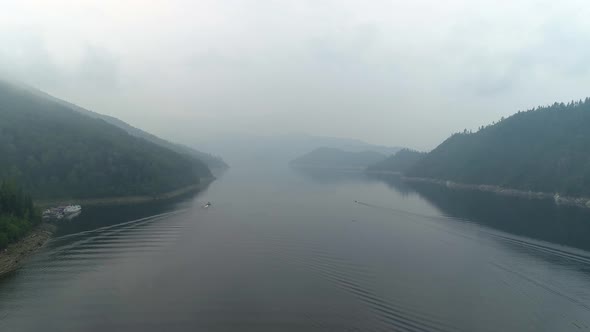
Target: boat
column 71, row 209
column 207, row 205
column 60, row 212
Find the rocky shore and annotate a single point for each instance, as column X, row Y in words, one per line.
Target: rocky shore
column 12, row 257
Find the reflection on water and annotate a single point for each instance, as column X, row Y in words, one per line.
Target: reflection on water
column 86, row 226
column 536, row 219
column 323, row 176
column 93, row 217
column 303, row 250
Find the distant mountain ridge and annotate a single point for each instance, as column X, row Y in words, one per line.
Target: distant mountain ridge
column 209, row 159
column 546, row 149
column 279, row 150
column 337, row 159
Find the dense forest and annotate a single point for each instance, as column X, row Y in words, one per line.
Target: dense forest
column 17, row 214
column 210, row 160
column 336, row 158
column 544, row 149
column 55, row 152
column 400, row 162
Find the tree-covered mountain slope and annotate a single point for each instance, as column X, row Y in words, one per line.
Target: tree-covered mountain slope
column 18, row 216
column 54, row 152
column 545, row 149
column 210, row 160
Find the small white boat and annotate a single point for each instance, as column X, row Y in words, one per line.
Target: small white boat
column 208, row 205
column 71, row 209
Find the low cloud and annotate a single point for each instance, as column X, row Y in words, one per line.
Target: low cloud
column 388, row 72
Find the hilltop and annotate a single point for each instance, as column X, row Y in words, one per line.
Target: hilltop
column 546, row 149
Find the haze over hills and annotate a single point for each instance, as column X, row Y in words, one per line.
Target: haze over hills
column 337, row 159
column 209, row 159
column 281, row 149
column 56, row 152
column 545, row 149
column 400, row 162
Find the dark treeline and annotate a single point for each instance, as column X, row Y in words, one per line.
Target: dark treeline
column 55, row 152
column 400, row 162
column 544, row 149
column 17, row 214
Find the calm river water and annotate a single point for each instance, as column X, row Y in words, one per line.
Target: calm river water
column 288, row 250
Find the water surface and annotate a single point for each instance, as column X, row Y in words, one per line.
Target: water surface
column 288, row 250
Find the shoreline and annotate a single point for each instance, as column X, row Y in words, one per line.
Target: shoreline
column 583, row 202
column 340, row 169
column 128, row 200
column 12, row 258
column 384, row 172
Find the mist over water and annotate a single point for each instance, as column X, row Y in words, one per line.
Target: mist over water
column 123, row 100
column 291, row 250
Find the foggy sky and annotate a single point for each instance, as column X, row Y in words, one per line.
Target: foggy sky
column 403, row 73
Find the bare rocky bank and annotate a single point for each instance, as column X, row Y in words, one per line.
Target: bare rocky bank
column 12, row 257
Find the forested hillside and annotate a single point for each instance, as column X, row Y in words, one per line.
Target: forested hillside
column 55, row 152
column 209, row 159
column 17, row 214
column 544, row 149
column 399, row 162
